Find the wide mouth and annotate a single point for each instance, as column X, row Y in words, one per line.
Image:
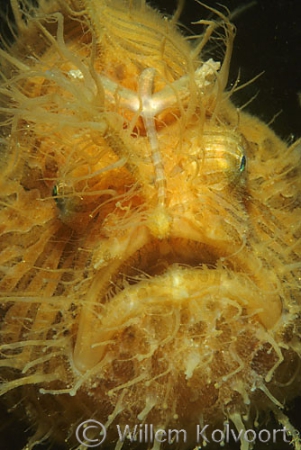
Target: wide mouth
column 162, row 278
column 157, row 257
column 153, row 274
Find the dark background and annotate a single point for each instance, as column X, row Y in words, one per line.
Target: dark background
column 268, row 39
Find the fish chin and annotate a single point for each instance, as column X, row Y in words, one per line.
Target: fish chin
column 170, row 322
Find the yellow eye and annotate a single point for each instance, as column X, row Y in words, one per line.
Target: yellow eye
column 221, row 158
column 62, row 193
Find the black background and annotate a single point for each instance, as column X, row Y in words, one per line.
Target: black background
column 268, row 39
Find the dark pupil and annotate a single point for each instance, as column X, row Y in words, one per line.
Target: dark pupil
column 242, row 164
column 54, row 191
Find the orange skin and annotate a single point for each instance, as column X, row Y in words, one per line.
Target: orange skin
column 149, row 231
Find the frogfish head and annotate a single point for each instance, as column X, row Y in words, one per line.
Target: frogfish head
column 150, row 237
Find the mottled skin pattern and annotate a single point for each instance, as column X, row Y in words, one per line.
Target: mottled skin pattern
column 150, row 233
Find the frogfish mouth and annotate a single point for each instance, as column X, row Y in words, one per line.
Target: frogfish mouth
column 150, row 234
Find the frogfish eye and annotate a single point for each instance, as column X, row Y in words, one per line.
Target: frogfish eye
column 54, row 192
column 243, row 163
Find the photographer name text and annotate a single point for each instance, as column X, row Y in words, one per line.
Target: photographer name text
column 92, row 433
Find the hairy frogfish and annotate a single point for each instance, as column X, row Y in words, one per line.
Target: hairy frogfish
column 150, row 234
